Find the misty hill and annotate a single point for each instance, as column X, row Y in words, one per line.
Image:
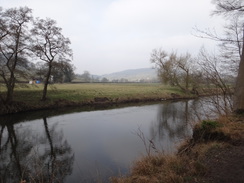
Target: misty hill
column 133, row 75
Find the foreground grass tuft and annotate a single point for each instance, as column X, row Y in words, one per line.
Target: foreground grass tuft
column 162, row 168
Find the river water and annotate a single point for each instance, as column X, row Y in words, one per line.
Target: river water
column 90, row 146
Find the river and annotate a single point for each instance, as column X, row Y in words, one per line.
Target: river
column 90, row 146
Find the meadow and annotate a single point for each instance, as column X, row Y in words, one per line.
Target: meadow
column 85, row 92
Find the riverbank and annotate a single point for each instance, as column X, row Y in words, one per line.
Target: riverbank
column 214, row 154
column 27, row 97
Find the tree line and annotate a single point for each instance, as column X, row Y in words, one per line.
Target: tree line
column 31, row 47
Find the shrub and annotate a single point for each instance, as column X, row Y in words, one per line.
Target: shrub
column 209, row 124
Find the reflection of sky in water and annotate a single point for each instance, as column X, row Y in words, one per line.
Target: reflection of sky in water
column 104, row 143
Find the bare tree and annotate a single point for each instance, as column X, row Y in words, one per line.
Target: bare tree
column 230, row 8
column 13, row 45
column 50, row 46
column 173, row 69
column 231, row 48
column 3, row 28
column 239, row 89
column 231, row 44
column 211, row 70
column 227, row 7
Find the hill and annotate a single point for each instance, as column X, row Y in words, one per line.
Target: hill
column 133, row 75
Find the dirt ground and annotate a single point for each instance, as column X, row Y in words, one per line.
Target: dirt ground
column 226, row 165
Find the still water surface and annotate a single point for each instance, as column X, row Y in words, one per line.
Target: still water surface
column 89, row 146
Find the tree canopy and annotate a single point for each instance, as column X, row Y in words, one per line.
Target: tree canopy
column 23, row 38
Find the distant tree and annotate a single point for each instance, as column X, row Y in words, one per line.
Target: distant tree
column 57, row 74
column 115, row 80
column 50, row 46
column 142, row 81
column 173, row 69
column 123, row 80
column 14, row 45
column 63, row 72
column 86, row 76
column 95, row 79
column 104, row 80
column 68, row 71
column 40, row 70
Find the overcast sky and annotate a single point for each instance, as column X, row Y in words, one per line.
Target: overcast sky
column 114, row 35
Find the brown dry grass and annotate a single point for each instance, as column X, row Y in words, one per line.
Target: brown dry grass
column 196, row 155
column 161, row 168
column 233, row 126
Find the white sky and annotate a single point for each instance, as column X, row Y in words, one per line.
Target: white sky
column 114, row 35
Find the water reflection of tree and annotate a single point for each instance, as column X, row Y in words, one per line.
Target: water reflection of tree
column 12, row 154
column 35, row 158
column 172, row 123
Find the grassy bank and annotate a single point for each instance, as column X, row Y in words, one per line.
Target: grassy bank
column 214, row 154
column 88, row 91
column 27, row 97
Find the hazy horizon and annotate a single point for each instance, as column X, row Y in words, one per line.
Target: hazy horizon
column 114, row 35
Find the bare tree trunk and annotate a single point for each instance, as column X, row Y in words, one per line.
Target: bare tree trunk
column 10, row 89
column 187, row 81
column 12, row 68
column 11, row 82
column 44, row 94
column 239, row 90
column 10, row 92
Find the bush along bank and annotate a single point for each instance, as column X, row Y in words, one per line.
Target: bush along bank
column 214, row 154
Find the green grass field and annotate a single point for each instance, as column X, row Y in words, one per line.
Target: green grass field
column 83, row 92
